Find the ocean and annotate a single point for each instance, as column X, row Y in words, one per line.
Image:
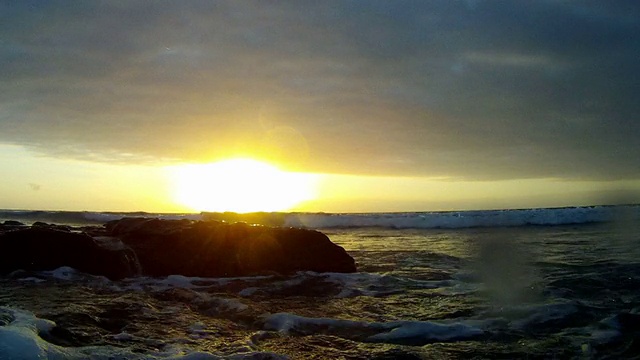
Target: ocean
column 512, row 284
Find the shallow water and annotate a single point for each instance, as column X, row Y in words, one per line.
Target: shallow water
column 523, row 292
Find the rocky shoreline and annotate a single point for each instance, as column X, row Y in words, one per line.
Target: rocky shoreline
column 132, row 247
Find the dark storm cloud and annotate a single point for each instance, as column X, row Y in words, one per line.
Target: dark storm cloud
column 472, row 89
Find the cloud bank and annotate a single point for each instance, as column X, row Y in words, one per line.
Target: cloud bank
column 461, row 89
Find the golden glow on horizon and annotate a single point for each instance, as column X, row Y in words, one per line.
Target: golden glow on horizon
column 34, row 182
column 240, row 185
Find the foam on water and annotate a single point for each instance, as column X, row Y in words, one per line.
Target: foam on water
column 370, row 284
column 420, row 331
column 66, row 273
column 576, row 296
column 461, row 219
column 180, row 281
column 342, row 285
column 63, row 273
column 21, row 339
column 538, row 315
column 398, row 332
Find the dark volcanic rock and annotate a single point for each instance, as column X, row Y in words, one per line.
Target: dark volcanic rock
column 48, row 248
column 40, row 224
column 12, row 223
column 212, row 248
column 9, row 225
column 261, row 218
column 134, row 246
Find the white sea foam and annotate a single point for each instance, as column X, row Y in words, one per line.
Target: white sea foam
column 20, row 340
column 391, row 332
column 540, row 314
column 534, row 315
column 371, row 284
column 66, row 273
column 63, row 273
column 285, row 322
column 348, row 284
column 414, row 330
column 178, row 282
column 462, row 219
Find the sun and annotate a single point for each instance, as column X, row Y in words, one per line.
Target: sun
column 240, row 185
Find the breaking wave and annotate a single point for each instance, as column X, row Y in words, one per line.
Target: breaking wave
column 407, row 220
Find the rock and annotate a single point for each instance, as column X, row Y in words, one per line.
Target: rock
column 257, row 218
column 154, row 247
column 48, row 248
column 146, row 225
column 214, row 249
column 40, row 224
column 12, row 223
column 9, row 225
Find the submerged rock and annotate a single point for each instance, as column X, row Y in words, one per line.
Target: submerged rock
column 47, row 248
column 213, row 249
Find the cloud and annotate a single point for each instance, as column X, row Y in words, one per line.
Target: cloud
column 476, row 90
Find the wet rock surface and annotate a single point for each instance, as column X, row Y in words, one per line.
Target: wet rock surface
column 47, row 248
column 214, row 249
column 154, row 247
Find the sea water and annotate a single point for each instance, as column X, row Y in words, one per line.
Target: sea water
column 535, row 283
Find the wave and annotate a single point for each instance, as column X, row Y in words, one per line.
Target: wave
column 408, row 220
column 467, row 219
column 83, row 217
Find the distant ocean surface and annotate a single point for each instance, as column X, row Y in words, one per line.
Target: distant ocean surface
column 560, row 283
column 396, row 220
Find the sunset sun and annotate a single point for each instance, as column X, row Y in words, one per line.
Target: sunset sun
column 240, row 185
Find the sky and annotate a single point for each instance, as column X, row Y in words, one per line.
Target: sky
column 396, row 105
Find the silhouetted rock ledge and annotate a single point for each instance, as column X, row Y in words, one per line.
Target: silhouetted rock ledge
column 47, row 248
column 153, row 247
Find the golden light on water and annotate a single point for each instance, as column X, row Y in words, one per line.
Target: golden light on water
column 240, row 185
